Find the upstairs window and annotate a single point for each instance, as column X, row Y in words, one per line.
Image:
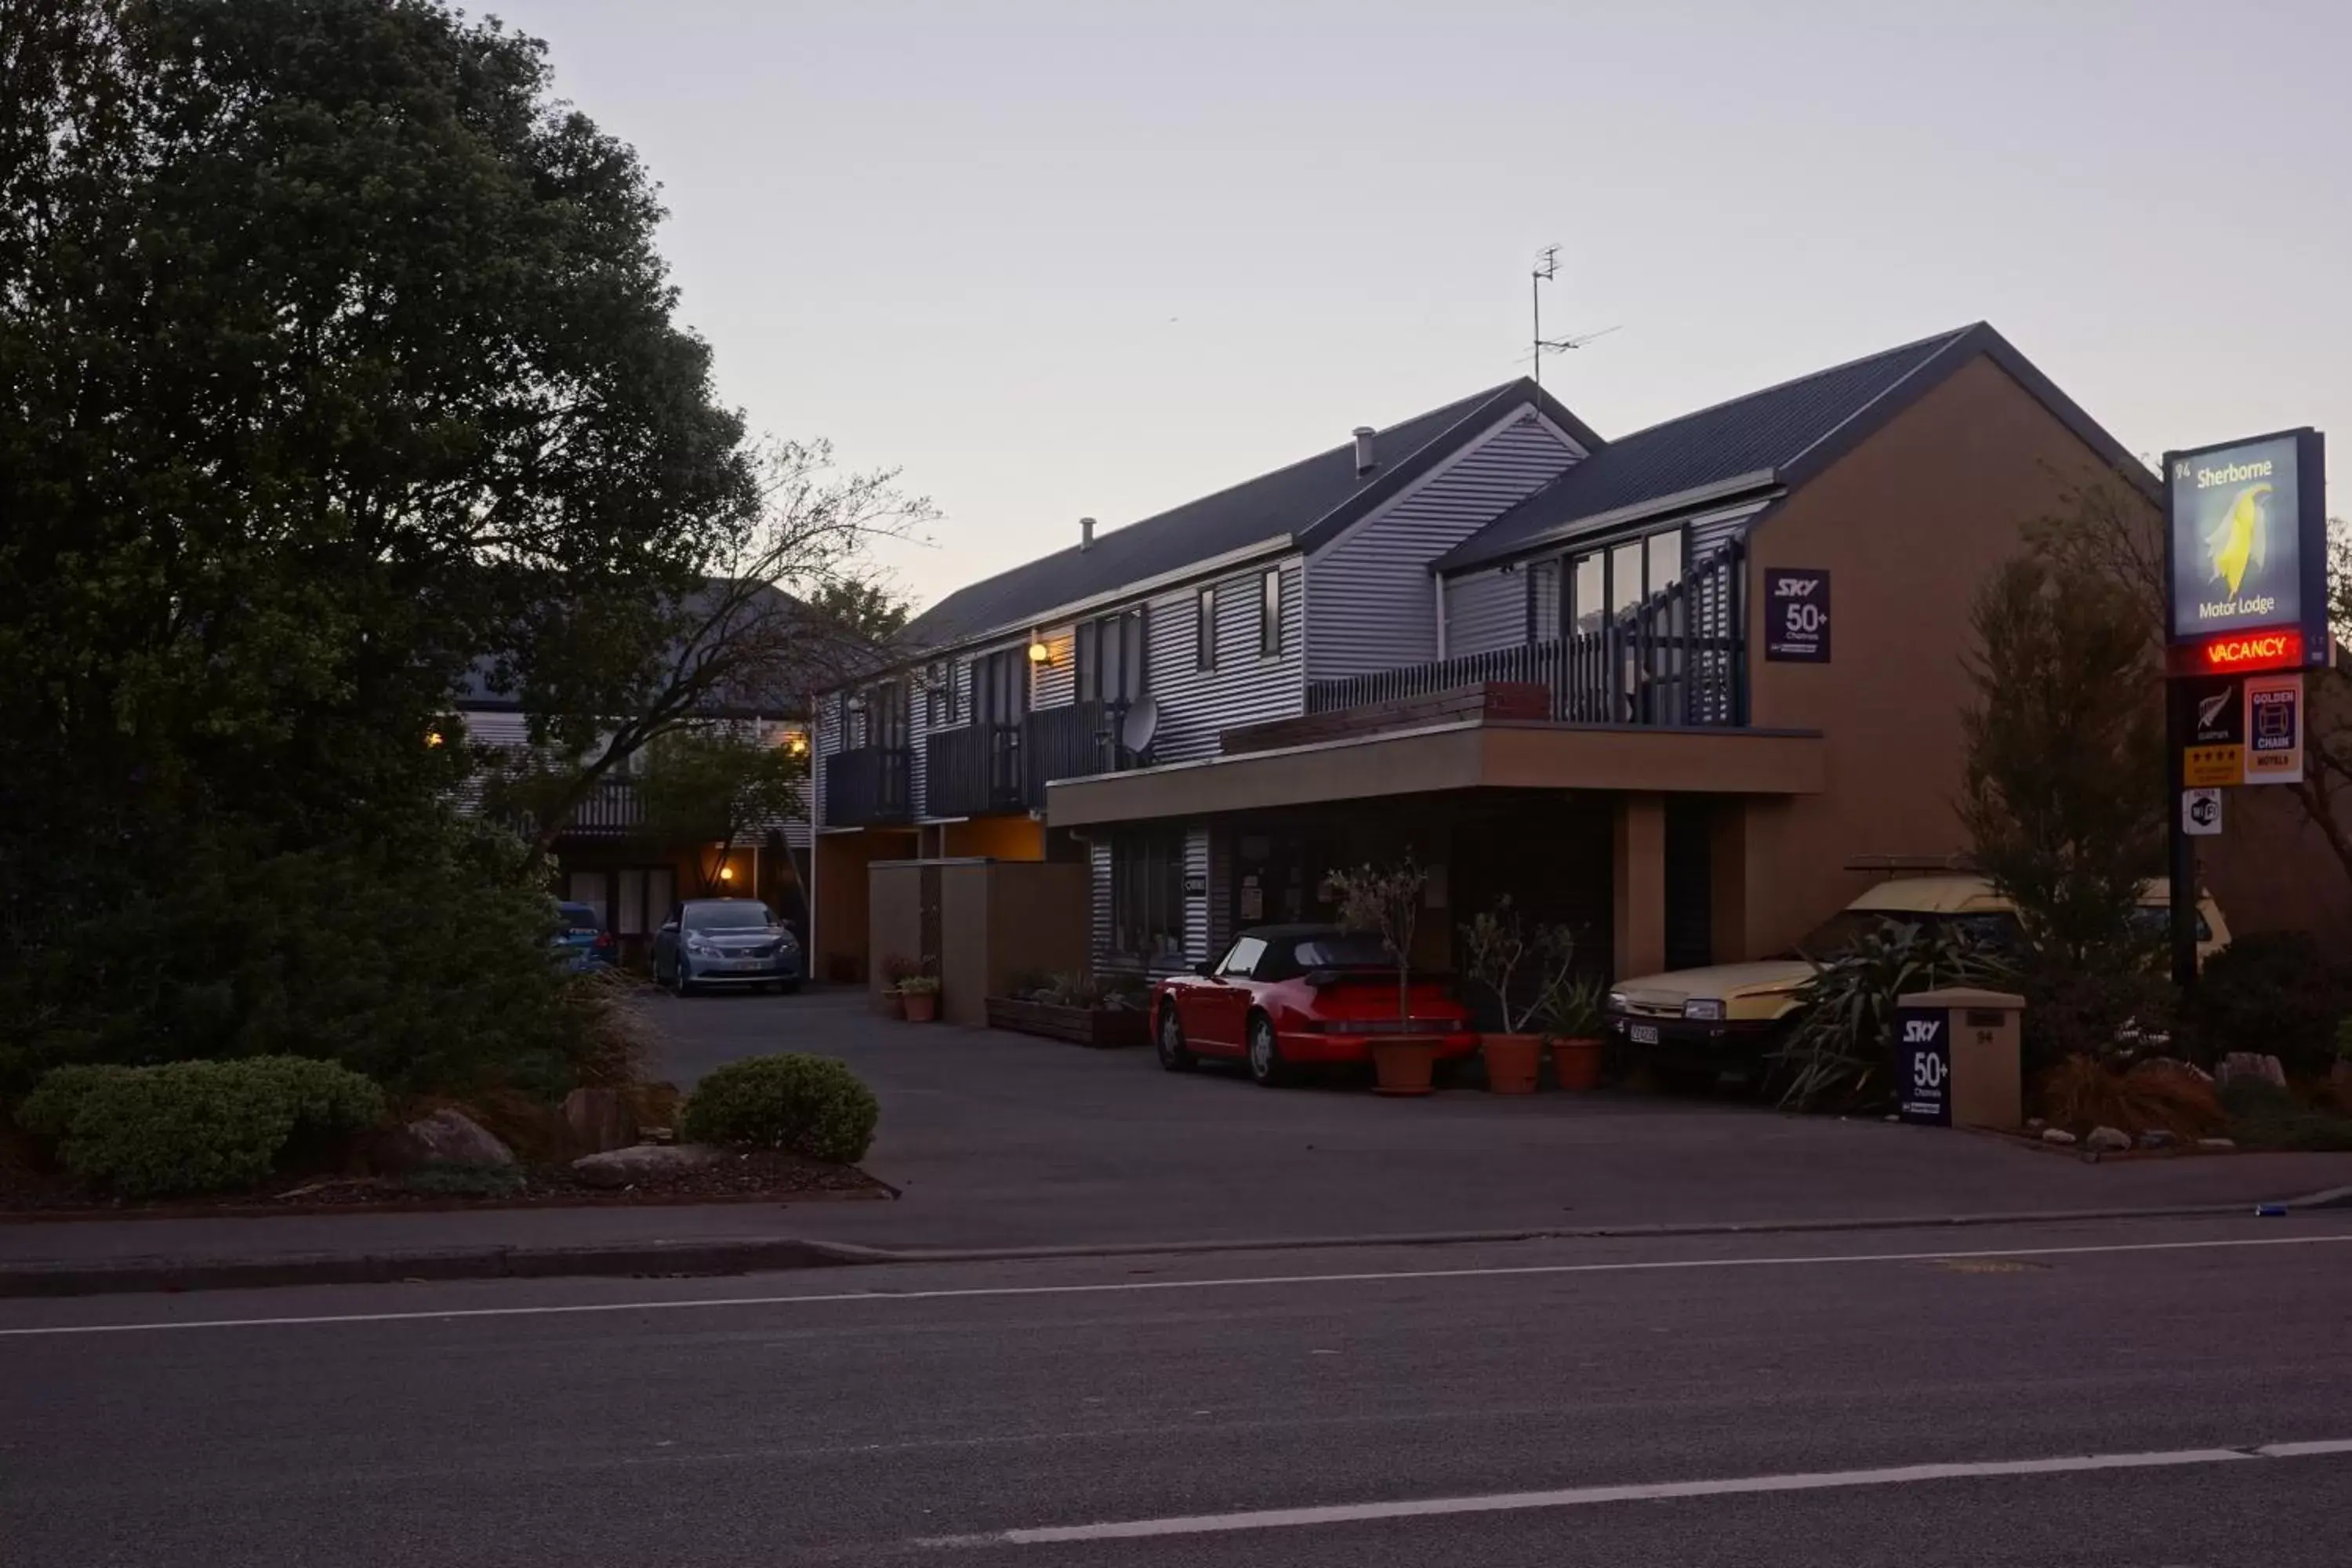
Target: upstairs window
column 1607, row 584
column 1204, row 629
column 1110, row 657
column 939, row 685
column 1270, row 614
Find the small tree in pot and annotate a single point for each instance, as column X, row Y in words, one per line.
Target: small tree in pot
column 1385, row 902
column 1571, row 1021
column 1499, row 945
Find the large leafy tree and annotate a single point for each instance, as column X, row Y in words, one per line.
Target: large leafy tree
column 333, row 351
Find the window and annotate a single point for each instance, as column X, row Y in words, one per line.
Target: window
column 1241, row 960
column 1147, row 896
column 941, row 682
column 886, row 715
column 1607, row 584
column 1000, row 686
column 1204, row 629
column 1110, row 657
column 1270, row 614
column 1589, row 606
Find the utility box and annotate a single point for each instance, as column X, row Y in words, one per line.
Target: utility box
column 1957, row 1059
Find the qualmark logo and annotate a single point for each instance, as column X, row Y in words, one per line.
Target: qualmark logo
column 2209, row 711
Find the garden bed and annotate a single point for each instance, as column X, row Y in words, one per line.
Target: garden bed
column 1103, row 1028
column 748, row 1177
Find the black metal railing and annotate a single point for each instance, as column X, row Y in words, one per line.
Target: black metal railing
column 1677, row 658
column 974, row 771
column 867, row 786
column 611, row 808
column 1072, row 743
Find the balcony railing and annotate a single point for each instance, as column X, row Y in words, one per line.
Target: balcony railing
column 611, row 809
column 1678, row 659
column 983, row 770
column 867, row 787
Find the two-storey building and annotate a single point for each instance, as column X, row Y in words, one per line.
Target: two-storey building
column 1680, row 689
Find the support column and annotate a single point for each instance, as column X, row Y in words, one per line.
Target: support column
column 1638, row 878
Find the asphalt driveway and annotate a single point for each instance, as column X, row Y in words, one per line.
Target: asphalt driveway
column 999, row 1140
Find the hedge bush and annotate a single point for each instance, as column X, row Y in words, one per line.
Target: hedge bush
column 196, row 1127
column 2276, row 992
column 809, row 1105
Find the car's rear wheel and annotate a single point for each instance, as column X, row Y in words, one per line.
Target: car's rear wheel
column 1168, row 1040
column 1266, row 1068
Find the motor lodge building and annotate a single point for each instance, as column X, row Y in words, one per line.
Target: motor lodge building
column 1688, row 690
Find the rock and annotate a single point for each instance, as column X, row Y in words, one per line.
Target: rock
column 2217, row 1143
column 625, row 1167
column 2158, row 1138
column 2057, row 1135
column 2035, row 1124
column 2108, row 1139
column 2253, row 1064
column 596, row 1120
column 449, row 1136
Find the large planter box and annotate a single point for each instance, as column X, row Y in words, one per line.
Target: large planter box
column 1102, row 1028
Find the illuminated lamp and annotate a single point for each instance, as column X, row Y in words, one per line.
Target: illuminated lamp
column 1038, row 652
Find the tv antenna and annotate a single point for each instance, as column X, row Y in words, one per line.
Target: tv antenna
column 1546, row 268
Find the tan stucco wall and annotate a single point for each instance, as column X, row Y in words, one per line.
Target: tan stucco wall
column 1907, row 525
column 842, row 897
column 894, row 919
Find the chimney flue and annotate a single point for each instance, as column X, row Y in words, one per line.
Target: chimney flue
column 1367, row 458
column 1086, row 533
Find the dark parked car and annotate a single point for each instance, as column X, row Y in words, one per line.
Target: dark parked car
column 725, row 942
column 584, row 943
column 1290, row 997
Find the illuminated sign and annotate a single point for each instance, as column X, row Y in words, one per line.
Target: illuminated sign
column 2246, row 546
column 2274, row 729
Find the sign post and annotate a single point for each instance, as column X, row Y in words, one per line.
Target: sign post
column 2245, row 548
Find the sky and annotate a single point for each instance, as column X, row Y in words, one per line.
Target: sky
column 1054, row 259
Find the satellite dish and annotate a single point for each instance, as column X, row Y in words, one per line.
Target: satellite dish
column 1143, row 723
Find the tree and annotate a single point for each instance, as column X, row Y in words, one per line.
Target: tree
column 2062, row 794
column 2110, row 531
column 1385, row 902
column 334, row 351
column 864, row 607
column 718, row 788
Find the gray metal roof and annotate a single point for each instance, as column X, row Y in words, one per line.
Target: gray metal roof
column 1309, row 501
column 1789, row 432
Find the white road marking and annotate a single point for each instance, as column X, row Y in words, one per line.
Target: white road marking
column 1656, row 1492
column 1133, row 1286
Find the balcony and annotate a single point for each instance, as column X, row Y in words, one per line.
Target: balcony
column 611, row 809
column 867, row 787
column 1677, row 660
column 986, row 770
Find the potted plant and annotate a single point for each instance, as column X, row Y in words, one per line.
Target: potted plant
column 920, row 996
column 897, row 970
column 1571, row 1023
column 1385, row 902
column 1498, row 944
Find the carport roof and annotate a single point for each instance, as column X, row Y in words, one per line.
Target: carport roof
column 1781, row 436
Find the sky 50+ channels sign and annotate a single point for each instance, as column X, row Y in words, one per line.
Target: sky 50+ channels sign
column 2246, row 551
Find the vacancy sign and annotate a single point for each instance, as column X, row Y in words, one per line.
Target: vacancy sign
column 2275, row 721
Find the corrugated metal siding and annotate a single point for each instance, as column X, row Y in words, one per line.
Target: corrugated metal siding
column 1055, row 685
column 828, row 741
column 1543, row 599
column 1099, row 898
column 1195, row 705
column 1484, row 611
column 1196, row 907
column 1221, row 892
column 1373, row 608
column 1711, row 530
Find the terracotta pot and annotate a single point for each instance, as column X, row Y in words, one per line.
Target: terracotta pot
column 1404, row 1063
column 1513, row 1062
column 1576, row 1064
column 922, row 1006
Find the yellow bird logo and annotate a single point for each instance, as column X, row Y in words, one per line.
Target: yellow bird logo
column 2238, row 538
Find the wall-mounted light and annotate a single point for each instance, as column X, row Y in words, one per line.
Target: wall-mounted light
column 725, row 873
column 433, row 738
column 797, row 743
column 1039, row 652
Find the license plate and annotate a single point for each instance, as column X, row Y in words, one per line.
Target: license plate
column 1645, row 1034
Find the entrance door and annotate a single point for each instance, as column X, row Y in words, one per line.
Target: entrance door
column 1273, row 880
column 1690, row 884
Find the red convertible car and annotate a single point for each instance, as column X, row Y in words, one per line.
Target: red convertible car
column 1290, row 997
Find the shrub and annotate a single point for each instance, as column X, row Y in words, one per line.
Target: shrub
column 2108, row 1005
column 2271, row 992
column 809, row 1105
column 195, row 1127
column 2083, row 1092
column 2265, row 1116
column 1841, row 1049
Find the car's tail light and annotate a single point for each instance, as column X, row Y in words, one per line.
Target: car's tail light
column 603, row 939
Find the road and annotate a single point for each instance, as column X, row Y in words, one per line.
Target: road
column 1159, row 1407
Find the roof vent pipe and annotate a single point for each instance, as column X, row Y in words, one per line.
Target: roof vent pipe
column 1086, row 533
column 1367, row 458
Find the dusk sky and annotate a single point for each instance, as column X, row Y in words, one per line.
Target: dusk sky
column 1066, row 258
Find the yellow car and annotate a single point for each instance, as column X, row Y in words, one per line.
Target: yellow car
column 1726, row 1017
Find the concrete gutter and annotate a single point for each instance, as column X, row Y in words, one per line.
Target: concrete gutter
column 782, row 1254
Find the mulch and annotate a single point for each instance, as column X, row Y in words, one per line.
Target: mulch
column 750, row 1176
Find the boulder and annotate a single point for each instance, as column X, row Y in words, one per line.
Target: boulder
column 2217, row 1143
column 2035, row 1124
column 450, row 1137
column 2057, row 1135
column 2107, row 1139
column 641, row 1162
column 2158, row 1138
column 2253, row 1064
column 596, row 1120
